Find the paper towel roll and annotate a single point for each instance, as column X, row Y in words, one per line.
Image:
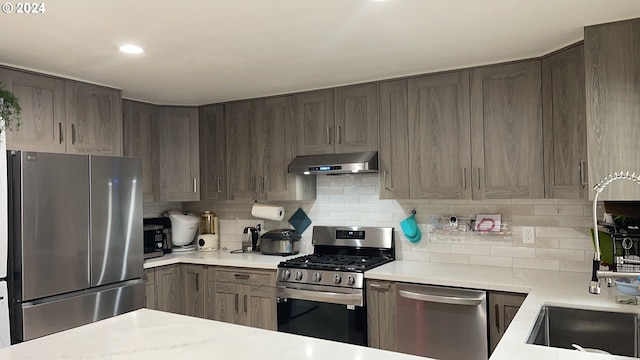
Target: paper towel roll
column 268, row 212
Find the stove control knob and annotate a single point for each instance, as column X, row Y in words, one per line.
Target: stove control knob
column 351, row 280
column 298, row 275
column 286, row 275
column 337, row 279
column 317, row 277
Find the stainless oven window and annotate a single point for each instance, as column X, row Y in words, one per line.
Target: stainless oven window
column 322, row 320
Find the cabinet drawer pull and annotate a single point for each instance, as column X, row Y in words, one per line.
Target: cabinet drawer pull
column 219, row 184
column 583, row 181
column 497, row 308
column 236, row 298
column 73, row 134
column 380, row 286
column 241, row 276
column 60, row 135
column 195, row 186
column 245, row 303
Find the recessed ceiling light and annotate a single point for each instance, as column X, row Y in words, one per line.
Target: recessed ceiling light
column 131, row 49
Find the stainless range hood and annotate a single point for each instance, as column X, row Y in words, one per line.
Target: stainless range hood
column 333, row 164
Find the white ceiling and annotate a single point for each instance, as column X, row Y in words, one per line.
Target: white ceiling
column 200, row 52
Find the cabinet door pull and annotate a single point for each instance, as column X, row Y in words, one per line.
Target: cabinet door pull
column 241, row 276
column 464, row 178
column 384, row 180
column 73, row 134
column 197, row 282
column 380, row 286
column 219, row 184
column 245, row 303
column 583, row 181
column 263, row 186
column 237, row 307
column 497, row 308
column 195, row 186
column 479, row 179
column 339, row 134
column 329, row 135
column 60, row 135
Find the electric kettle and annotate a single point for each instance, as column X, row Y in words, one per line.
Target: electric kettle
column 250, row 236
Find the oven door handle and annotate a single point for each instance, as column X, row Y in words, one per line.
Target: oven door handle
column 321, row 296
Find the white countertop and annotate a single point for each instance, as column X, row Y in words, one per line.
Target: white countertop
column 219, row 258
column 543, row 287
column 148, row 334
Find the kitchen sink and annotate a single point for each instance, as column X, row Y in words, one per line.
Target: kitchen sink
column 559, row 327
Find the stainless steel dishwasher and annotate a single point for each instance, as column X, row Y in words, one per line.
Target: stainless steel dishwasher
column 441, row 323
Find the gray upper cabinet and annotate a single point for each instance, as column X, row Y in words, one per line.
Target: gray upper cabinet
column 564, row 121
column 274, row 150
column 140, row 133
column 315, row 122
column 239, row 123
column 506, row 131
column 212, row 152
column 93, row 119
column 356, row 116
column 178, row 137
column 337, row 120
column 393, row 156
column 43, row 111
column 439, row 136
column 612, row 63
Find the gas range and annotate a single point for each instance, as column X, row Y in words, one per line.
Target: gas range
column 341, row 256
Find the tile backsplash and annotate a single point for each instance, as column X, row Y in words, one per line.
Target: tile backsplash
column 562, row 237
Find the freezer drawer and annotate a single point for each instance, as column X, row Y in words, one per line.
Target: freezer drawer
column 441, row 323
column 59, row 313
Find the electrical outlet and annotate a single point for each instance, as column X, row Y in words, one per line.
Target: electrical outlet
column 528, row 235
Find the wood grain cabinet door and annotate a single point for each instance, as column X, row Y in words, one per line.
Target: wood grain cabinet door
column 259, row 306
column 43, row 111
column 239, row 123
column 356, row 118
column 315, row 122
column 193, row 282
column 178, row 154
column 393, row 156
column 167, row 286
column 149, row 289
column 140, row 133
column 506, row 131
column 212, row 152
column 227, row 303
column 381, row 314
column 94, row 119
column 439, row 155
column 564, row 121
column 502, row 309
column 612, row 63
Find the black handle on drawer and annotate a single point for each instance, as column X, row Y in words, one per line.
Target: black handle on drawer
column 241, row 276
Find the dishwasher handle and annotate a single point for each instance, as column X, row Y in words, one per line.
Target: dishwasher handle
column 455, row 300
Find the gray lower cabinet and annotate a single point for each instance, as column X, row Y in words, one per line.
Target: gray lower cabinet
column 244, row 296
column 193, row 286
column 140, row 127
column 506, row 131
column 502, row 309
column 149, row 288
column 612, row 63
column 178, row 137
column 393, row 156
column 381, row 310
column 564, row 122
column 168, row 296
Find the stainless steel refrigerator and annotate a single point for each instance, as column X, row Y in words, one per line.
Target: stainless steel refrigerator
column 75, row 240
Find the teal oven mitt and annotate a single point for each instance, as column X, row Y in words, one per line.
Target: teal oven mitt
column 410, row 228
